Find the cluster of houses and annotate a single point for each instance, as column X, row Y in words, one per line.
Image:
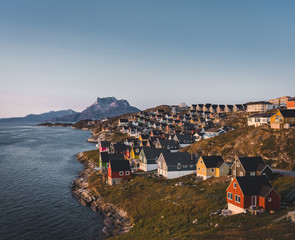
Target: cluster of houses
column 155, row 139
column 201, row 124
column 286, row 102
column 278, row 119
column 250, row 187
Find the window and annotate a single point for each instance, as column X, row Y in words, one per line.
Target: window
column 184, row 166
column 178, row 166
column 121, row 173
column 203, row 170
column 127, row 173
column 238, row 164
column 234, row 172
column 269, row 199
column 252, row 173
column 230, row 196
column 221, row 170
column 212, row 169
column 278, row 118
column 191, row 166
column 201, row 161
column 237, row 198
column 235, row 185
column 241, row 174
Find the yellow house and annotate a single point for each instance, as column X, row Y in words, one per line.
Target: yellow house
column 144, row 137
column 134, row 157
column 134, row 153
column 283, row 118
column 211, row 166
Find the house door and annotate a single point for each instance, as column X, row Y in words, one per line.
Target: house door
column 253, row 200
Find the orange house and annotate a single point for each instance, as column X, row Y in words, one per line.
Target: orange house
column 291, row 104
column 251, row 191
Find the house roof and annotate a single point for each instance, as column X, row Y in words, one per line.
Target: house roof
column 183, row 158
column 254, row 185
column 213, row 161
column 105, row 144
column 259, row 102
column 239, row 105
column 120, row 147
column 286, row 113
column 184, row 138
column 165, row 143
column 144, row 136
column 252, row 163
column 153, row 153
column 119, row 165
column 157, row 132
column 258, row 115
column 116, row 156
column 144, row 143
column 106, row 157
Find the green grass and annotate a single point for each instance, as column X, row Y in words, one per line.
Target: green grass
column 92, row 155
column 275, row 147
column 161, row 210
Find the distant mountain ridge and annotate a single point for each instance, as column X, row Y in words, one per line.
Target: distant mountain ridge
column 101, row 108
column 40, row 117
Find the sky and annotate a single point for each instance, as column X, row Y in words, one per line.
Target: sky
column 63, row 54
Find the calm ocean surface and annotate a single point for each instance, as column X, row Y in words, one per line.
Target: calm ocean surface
column 37, row 167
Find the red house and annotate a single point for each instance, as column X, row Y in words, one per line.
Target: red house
column 104, row 146
column 118, row 170
column 251, row 191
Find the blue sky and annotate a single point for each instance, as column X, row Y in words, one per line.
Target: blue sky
column 62, row 54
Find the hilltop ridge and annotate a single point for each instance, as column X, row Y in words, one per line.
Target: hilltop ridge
column 276, row 147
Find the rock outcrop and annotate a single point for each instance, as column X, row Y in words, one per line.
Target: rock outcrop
column 101, row 108
column 116, row 221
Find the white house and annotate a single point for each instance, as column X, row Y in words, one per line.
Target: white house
column 175, row 165
column 259, row 119
column 260, row 106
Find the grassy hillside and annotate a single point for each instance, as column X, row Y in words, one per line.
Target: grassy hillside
column 161, row 210
column 276, row 147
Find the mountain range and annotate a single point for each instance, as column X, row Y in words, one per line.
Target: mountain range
column 40, row 117
column 101, row 108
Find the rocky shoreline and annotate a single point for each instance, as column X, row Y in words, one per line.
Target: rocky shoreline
column 116, row 221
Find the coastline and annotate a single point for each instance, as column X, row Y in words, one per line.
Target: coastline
column 116, row 221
